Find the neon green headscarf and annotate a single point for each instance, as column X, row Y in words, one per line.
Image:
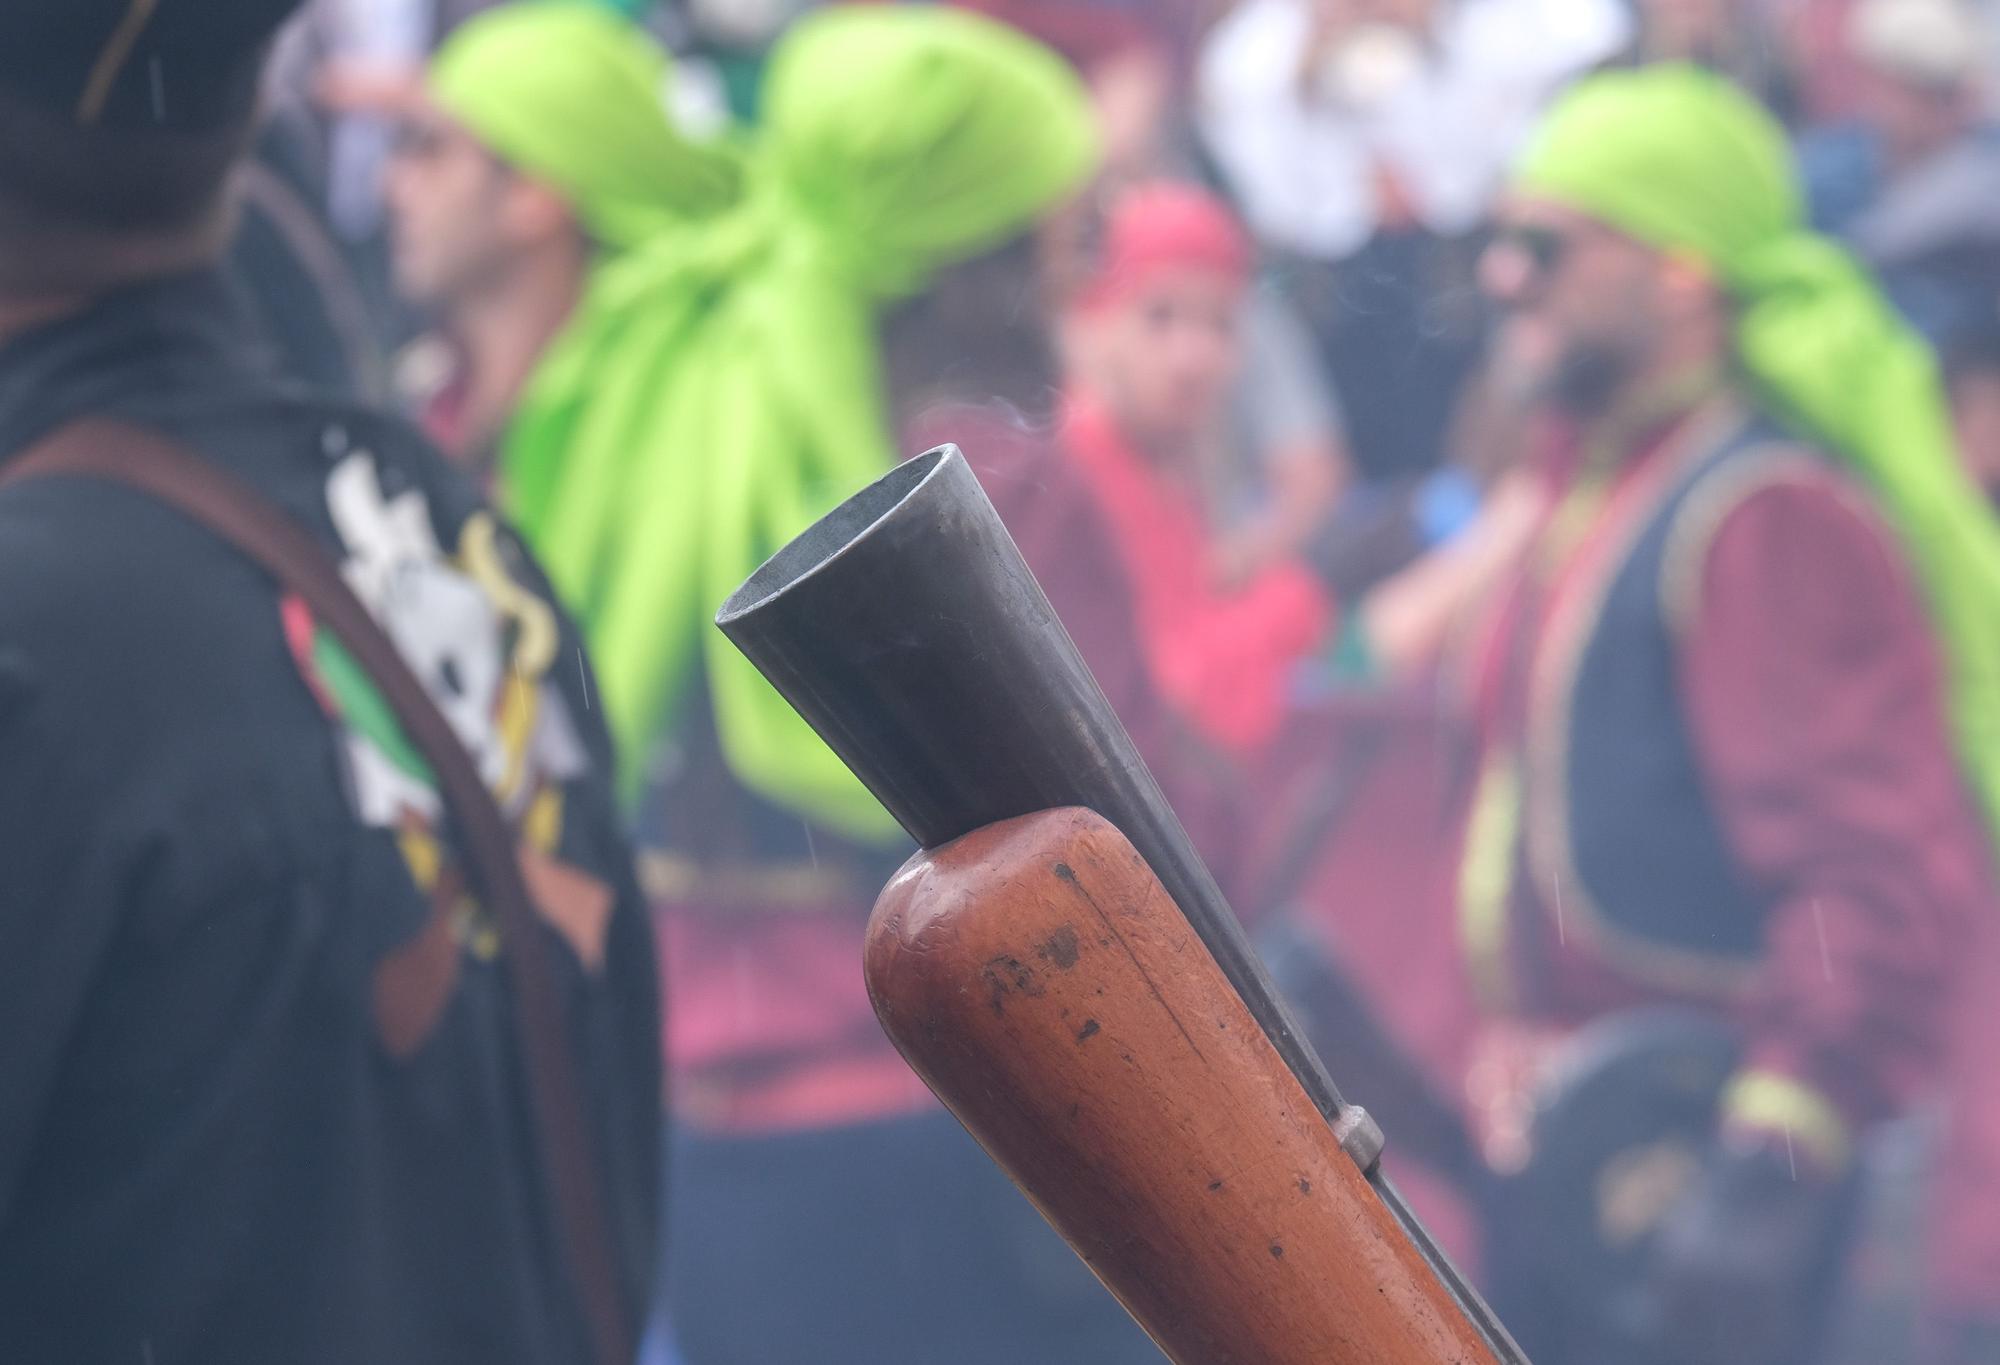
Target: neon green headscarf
column 573, row 93
column 1683, row 161
column 720, row 389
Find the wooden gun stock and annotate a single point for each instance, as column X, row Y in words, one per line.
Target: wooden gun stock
column 1039, row 978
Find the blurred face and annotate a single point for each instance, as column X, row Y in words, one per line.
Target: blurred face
column 1584, row 303
column 1166, row 354
column 1914, row 120
column 451, row 221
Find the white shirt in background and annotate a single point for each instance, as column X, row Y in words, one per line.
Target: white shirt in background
column 1305, row 171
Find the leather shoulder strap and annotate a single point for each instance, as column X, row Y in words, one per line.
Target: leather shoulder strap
column 149, row 463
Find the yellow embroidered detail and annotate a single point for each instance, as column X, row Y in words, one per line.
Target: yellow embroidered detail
column 475, row 930
column 1773, row 1102
column 421, row 854
column 479, row 555
column 541, row 828
column 520, row 706
column 1486, row 878
column 1684, row 560
column 532, row 653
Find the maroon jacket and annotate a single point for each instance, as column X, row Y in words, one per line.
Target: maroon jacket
column 1810, row 685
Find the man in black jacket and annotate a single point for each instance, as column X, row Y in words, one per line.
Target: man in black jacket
column 260, row 1099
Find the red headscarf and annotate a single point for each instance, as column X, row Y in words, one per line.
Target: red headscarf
column 1165, row 225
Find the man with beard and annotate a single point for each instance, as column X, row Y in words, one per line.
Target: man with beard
column 1737, row 707
column 1365, row 141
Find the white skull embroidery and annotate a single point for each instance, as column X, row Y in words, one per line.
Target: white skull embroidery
column 443, row 625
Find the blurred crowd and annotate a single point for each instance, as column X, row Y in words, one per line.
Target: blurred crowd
column 1523, row 470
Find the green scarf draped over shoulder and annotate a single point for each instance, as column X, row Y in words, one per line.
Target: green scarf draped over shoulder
column 575, row 94
column 720, row 388
column 1681, row 160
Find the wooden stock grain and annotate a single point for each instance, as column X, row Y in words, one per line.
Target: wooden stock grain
column 1041, row 981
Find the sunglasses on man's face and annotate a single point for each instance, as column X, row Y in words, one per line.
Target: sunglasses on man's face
column 427, row 138
column 1543, row 247
column 421, row 139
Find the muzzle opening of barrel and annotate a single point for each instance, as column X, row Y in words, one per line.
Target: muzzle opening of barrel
column 831, row 536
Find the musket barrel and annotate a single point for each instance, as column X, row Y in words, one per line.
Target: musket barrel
column 907, row 630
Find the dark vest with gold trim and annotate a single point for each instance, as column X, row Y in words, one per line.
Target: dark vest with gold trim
column 1633, row 825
